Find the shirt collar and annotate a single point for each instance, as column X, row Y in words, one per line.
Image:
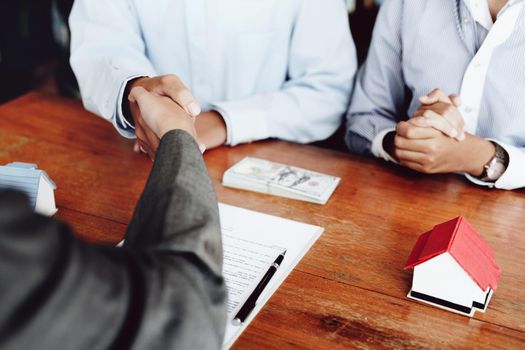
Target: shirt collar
column 479, row 10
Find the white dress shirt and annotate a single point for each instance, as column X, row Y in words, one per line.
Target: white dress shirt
column 459, row 48
column 272, row 68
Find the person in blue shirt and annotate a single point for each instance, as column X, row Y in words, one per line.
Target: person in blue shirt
column 247, row 70
column 442, row 90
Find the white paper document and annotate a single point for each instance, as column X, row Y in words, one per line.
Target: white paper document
column 252, row 241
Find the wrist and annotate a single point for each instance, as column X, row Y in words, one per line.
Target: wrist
column 128, row 107
column 211, row 129
column 480, row 153
column 169, row 124
column 136, row 82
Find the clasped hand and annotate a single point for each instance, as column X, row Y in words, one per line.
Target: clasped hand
column 434, row 139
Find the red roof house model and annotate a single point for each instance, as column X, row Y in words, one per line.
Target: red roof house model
column 461, row 241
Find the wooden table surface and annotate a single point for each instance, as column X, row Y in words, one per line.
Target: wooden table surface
column 350, row 289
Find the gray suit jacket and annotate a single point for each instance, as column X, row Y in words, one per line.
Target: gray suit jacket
column 162, row 290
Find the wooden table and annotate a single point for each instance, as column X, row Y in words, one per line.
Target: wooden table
column 350, row 290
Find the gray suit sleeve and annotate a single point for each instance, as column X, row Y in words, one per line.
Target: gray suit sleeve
column 162, row 290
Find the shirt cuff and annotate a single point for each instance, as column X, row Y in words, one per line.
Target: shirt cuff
column 227, row 122
column 513, row 177
column 121, row 123
column 377, row 146
column 243, row 124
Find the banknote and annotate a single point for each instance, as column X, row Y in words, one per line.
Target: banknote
column 297, row 180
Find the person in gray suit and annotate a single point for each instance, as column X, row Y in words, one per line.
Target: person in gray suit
column 162, row 290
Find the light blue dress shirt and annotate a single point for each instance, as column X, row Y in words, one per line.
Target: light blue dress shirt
column 272, row 68
column 420, row 45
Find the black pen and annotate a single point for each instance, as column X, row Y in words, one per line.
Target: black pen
column 250, row 303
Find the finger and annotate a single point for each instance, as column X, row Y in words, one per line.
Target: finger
column 150, row 137
column 418, row 113
column 410, row 131
column 454, row 118
column 414, row 166
column 420, row 121
column 139, row 95
column 136, row 147
column 146, row 149
column 150, row 154
column 153, row 141
column 173, row 87
column 139, row 133
column 414, row 145
column 455, row 99
column 436, row 95
column 410, row 156
column 446, row 112
column 141, row 139
column 440, row 123
column 143, row 146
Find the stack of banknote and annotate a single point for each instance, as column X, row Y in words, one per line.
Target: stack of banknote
column 282, row 180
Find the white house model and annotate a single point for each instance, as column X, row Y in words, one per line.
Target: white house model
column 454, row 268
column 35, row 183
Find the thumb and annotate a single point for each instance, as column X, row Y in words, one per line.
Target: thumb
column 436, row 95
column 139, row 95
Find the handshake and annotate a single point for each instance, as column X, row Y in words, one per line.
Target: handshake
column 157, row 116
column 164, row 103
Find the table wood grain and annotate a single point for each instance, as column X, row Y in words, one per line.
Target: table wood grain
column 350, row 290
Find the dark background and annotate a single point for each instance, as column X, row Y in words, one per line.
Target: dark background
column 30, row 52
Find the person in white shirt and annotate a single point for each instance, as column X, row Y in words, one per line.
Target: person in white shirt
column 470, row 54
column 246, row 69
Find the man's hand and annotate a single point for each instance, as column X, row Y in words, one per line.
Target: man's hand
column 440, row 112
column 160, row 115
column 211, row 129
column 428, row 150
column 169, row 86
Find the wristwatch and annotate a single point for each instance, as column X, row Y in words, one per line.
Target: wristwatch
column 493, row 170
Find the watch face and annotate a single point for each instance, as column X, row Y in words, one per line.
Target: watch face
column 495, row 170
